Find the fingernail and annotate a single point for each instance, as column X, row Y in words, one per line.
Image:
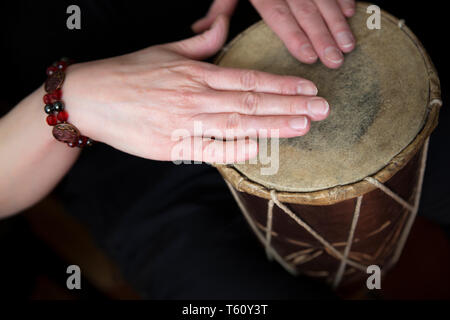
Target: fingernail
column 309, row 52
column 318, row 107
column 334, row 54
column 345, row 39
column 307, row 89
column 299, row 123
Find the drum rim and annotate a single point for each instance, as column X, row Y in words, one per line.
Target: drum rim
column 340, row 193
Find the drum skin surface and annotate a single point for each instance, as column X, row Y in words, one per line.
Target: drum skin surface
column 378, row 102
column 385, row 102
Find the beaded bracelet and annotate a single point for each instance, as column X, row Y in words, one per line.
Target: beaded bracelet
column 54, row 107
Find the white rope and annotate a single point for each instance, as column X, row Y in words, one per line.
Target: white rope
column 390, row 193
column 318, row 237
column 252, row 225
column 343, row 257
column 437, row 102
column 413, row 214
column 269, row 229
column 341, row 269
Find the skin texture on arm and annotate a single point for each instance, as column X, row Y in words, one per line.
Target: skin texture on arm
column 31, row 161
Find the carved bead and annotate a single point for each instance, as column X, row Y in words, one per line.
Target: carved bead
column 54, row 81
column 65, row 132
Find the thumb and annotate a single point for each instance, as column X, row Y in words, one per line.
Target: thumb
column 203, row 45
column 218, row 7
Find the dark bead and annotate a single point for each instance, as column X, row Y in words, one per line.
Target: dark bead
column 51, row 70
column 72, row 144
column 54, row 81
column 62, row 116
column 48, row 108
column 61, row 65
column 68, row 61
column 58, row 106
column 89, row 142
column 51, row 120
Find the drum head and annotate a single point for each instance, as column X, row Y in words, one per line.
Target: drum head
column 378, row 101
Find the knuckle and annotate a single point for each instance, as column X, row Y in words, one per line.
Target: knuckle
column 194, row 69
column 341, row 25
column 289, row 87
column 293, row 107
column 209, row 150
column 249, row 80
column 233, row 121
column 295, row 40
column 279, row 12
column 184, row 98
column 348, row 3
column 306, row 8
column 190, row 67
column 250, row 102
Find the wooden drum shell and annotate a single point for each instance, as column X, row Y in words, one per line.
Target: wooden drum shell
column 382, row 220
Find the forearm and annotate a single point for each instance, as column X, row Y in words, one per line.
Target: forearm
column 32, row 162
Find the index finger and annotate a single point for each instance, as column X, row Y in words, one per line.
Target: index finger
column 337, row 24
column 258, row 81
column 278, row 16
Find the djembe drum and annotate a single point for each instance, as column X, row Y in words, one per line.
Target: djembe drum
column 346, row 194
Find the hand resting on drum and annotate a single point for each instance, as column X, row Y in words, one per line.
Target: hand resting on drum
column 135, row 102
column 309, row 28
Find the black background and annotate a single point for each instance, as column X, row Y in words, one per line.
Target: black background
column 34, row 34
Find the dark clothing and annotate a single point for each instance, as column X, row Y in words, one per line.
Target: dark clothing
column 174, row 231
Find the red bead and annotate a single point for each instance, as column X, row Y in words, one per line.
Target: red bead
column 47, row 99
column 61, row 65
column 52, row 120
column 56, row 95
column 51, row 70
column 63, row 116
column 72, row 144
column 81, row 142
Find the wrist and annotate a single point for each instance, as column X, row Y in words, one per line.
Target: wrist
column 34, row 130
column 55, row 107
column 77, row 97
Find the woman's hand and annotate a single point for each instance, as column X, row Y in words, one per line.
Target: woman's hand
column 136, row 102
column 140, row 102
column 309, row 28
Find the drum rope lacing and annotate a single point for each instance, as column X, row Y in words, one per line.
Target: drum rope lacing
column 341, row 269
column 344, row 257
